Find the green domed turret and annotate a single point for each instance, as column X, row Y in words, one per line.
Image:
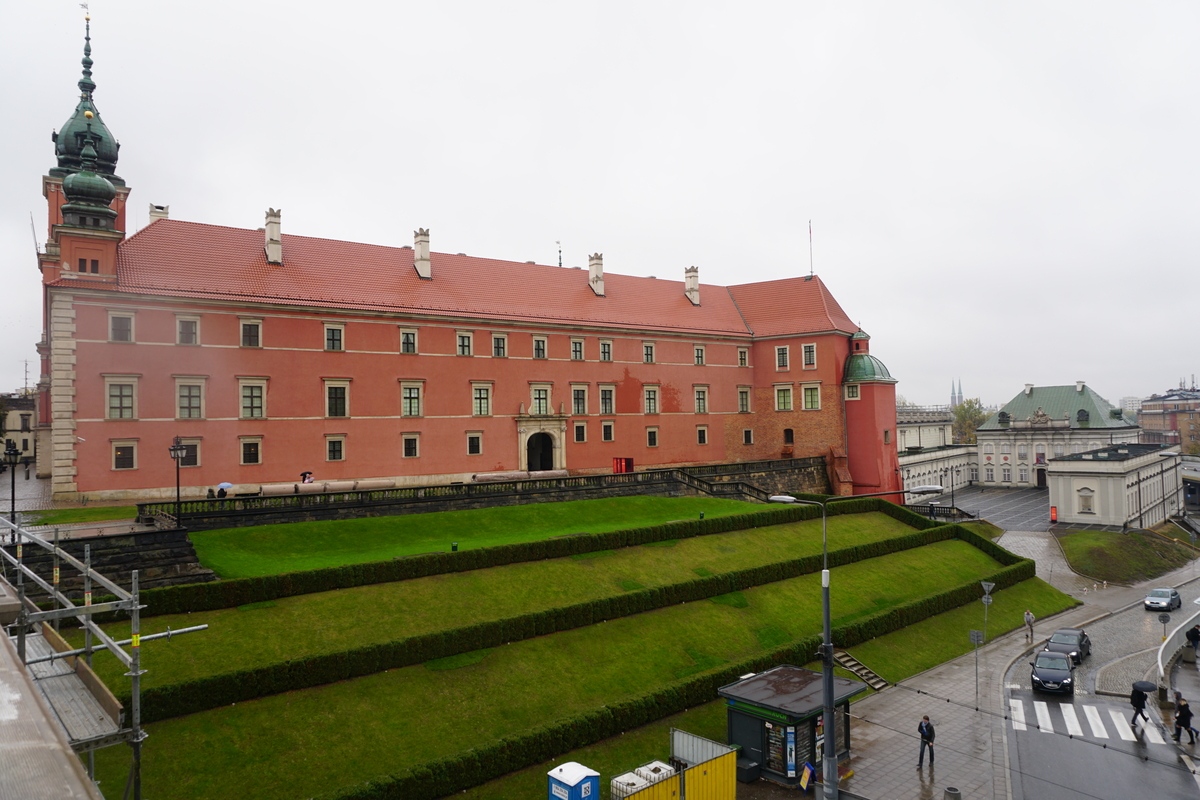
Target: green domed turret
column 88, row 194
column 85, row 127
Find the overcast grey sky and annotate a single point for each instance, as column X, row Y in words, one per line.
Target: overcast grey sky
column 1004, row 193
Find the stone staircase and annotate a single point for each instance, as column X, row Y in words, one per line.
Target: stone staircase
column 851, row 663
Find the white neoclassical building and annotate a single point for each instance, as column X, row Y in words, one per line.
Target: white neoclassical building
column 1131, row 485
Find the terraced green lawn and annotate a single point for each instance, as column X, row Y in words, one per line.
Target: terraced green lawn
column 326, row 622
column 273, row 549
column 896, row 656
column 305, row 743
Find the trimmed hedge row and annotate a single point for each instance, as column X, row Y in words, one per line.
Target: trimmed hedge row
column 242, row 591
column 213, row 691
column 461, row 771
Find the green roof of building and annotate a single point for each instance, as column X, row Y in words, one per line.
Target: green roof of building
column 1078, row 403
column 866, row 367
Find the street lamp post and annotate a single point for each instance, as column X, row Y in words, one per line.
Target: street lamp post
column 11, row 456
column 177, row 450
column 829, row 757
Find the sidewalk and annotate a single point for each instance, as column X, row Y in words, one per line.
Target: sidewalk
column 972, row 745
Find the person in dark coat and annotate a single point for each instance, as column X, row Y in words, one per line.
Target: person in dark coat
column 1183, row 721
column 1137, row 699
column 1193, row 637
column 927, row 734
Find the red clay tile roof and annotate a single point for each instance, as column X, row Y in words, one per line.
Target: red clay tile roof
column 187, row 259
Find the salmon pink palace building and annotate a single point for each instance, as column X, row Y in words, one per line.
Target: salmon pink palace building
column 271, row 353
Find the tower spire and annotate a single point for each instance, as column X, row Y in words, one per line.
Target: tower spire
column 86, row 84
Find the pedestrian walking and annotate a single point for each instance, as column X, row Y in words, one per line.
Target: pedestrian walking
column 1183, row 721
column 1029, row 618
column 1193, row 637
column 927, row 734
column 1137, row 699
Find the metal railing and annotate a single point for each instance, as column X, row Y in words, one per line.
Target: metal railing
column 1171, row 647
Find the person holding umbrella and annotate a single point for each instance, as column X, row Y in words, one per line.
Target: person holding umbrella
column 223, row 487
column 1137, row 699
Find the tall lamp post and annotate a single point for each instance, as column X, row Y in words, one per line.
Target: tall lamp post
column 11, row 457
column 178, row 450
column 829, row 757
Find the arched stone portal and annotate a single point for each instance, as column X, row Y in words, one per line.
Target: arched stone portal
column 539, row 452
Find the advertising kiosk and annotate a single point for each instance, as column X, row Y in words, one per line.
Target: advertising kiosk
column 775, row 717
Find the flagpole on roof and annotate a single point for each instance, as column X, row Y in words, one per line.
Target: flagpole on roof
column 810, row 255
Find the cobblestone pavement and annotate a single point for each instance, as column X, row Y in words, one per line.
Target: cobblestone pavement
column 1008, row 509
column 1052, row 566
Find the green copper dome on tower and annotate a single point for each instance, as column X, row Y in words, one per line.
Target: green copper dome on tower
column 861, row 365
column 85, row 127
column 88, row 194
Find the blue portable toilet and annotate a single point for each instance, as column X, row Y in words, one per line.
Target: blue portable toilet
column 573, row 781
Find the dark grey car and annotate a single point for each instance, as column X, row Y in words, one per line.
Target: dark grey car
column 1053, row 672
column 1072, row 641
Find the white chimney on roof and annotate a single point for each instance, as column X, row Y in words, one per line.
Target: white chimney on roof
column 1079, row 386
column 1028, row 389
column 159, row 212
column 691, row 284
column 596, row 273
column 274, row 246
column 421, row 253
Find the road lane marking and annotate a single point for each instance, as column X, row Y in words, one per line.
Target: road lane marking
column 1072, row 721
column 1096, row 722
column 1043, row 715
column 1123, row 728
column 1018, row 714
column 1153, row 735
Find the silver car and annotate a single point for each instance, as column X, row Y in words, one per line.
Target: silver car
column 1163, row 600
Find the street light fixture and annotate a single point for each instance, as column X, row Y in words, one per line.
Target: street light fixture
column 829, row 757
column 177, row 450
column 11, row 456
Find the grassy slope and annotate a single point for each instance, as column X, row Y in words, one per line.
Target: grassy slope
column 896, row 656
column 272, row 549
column 333, row 621
column 68, row 516
column 1122, row 558
column 336, row 735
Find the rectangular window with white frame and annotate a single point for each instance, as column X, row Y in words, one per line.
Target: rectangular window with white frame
column 747, row 436
column 853, row 391
column 580, row 432
column 481, row 399
column 783, row 398
column 605, row 350
column 607, row 399
column 335, row 336
column 408, row 341
column 410, row 445
column 539, row 347
column 465, row 341
column 647, row 352
column 121, row 394
column 335, row 447
column 650, row 397
column 781, row 359
column 743, row 357
column 974, row 473
column 1024, row 473
column 701, row 398
column 412, row 398
column 651, row 437
column 608, row 431
column 701, row 434
column 579, row 404
column 577, row 349
column 187, row 329
column 191, row 453
column 189, row 398
column 1006, row 474
column 539, row 399
column 698, row 355
column 809, row 355
column 743, row 400
column 251, row 447
column 989, row 474
column 124, row 454
column 252, row 393
column 337, row 397
column 474, row 443
column 251, row 333
column 120, row 326
column 499, row 345
column 812, row 397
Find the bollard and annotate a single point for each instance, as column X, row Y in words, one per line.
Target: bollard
column 952, row 794
column 454, row 547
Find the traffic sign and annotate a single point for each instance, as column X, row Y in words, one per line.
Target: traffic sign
column 987, row 586
column 1164, row 618
column 976, row 637
column 987, row 599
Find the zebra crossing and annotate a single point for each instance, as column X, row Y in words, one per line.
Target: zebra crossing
column 1063, row 718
